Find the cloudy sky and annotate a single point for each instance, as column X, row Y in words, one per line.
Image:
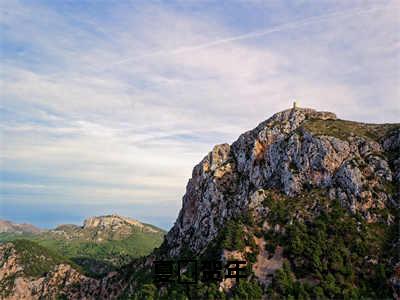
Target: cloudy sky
column 106, row 106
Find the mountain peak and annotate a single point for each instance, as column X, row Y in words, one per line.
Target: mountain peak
column 295, row 150
column 306, row 111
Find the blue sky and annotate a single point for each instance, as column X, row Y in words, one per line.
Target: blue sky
column 106, row 106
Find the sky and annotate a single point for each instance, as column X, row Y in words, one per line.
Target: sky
column 106, row 106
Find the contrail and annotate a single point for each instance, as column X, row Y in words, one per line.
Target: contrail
column 249, row 35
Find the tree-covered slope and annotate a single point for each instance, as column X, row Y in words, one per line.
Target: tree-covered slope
column 326, row 252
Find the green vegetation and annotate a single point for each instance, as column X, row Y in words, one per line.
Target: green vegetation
column 344, row 129
column 95, row 257
column 282, row 208
column 247, row 290
column 233, row 237
column 331, row 255
column 236, row 234
column 328, row 253
column 138, row 244
column 35, row 259
column 148, row 290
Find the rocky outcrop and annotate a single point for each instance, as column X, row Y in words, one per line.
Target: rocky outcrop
column 391, row 144
column 61, row 281
column 114, row 222
column 286, row 154
column 102, row 228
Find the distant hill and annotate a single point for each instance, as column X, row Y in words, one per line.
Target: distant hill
column 102, row 244
column 10, row 227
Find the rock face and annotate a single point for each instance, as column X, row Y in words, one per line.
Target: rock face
column 294, row 151
column 17, row 281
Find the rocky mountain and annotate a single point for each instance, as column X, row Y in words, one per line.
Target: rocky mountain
column 10, row 227
column 309, row 201
column 292, row 152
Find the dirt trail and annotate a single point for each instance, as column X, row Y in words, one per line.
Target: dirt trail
column 264, row 268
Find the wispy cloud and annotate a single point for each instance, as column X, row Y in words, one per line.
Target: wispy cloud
column 254, row 34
